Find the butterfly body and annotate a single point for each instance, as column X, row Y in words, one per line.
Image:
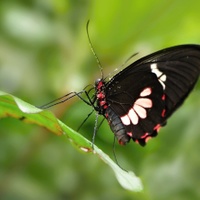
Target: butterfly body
column 138, row 100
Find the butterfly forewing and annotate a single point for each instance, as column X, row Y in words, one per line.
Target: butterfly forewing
column 181, row 67
column 147, row 92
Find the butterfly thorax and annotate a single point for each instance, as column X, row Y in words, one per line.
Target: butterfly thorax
column 100, row 96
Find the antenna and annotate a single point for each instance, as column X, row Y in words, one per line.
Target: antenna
column 92, row 49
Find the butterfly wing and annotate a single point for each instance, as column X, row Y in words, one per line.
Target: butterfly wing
column 149, row 90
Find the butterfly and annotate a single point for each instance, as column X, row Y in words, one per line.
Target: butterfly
column 138, row 100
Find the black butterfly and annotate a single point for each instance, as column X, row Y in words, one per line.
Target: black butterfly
column 138, row 100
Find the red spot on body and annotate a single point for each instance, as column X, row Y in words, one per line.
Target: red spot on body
column 105, row 106
column 100, row 84
column 121, row 142
column 163, row 97
column 102, row 103
column 100, row 96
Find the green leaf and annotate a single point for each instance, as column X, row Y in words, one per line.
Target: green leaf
column 11, row 106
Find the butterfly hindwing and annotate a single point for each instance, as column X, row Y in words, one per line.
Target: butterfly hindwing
column 140, row 106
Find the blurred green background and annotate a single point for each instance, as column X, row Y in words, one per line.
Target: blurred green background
column 44, row 54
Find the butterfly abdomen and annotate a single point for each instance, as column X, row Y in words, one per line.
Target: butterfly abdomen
column 116, row 126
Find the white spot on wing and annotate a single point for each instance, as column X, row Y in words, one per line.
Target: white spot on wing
column 155, row 70
column 161, row 77
column 163, row 85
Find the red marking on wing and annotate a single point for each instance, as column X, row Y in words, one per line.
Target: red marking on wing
column 147, row 138
column 163, row 113
column 163, row 97
column 144, row 136
column 157, row 127
column 130, row 134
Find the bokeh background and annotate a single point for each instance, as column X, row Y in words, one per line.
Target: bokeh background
column 44, row 54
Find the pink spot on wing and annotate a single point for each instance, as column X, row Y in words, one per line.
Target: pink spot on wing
column 125, row 120
column 140, row 111
column 133, row 116
column 130, row 134
column 144, row 102
column 145, row 92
